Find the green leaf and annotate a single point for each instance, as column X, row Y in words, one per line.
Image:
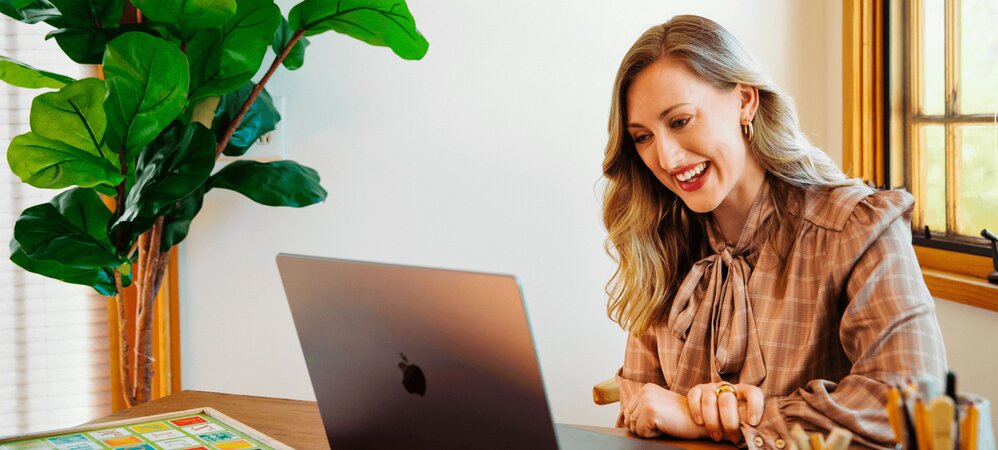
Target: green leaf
column 65, row 146
column 168, row 33
column 188, row 14
column 83, row 213
column 177, row 222
column 74, row 115
column 223, row 60
column 84, row 209
column 204, row 53
column 278, row 183
column 386, row 23
column 23, row 75
column 126, row 272
column 91, row 13
column 29, row 11
column 84, row 27
column 51, row 164
column 261, row 119
column 86, row 44
column 296, row 57
column 101, row 279
column 147, row 80
column 83, row 46
column 169, row 169
column 71, row 230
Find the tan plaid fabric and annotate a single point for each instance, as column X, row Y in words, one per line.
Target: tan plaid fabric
column 855, row 315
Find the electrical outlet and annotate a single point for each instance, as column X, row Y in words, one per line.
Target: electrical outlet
column 270, row 147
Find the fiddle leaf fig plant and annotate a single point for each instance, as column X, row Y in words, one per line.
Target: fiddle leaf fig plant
column 137, row 147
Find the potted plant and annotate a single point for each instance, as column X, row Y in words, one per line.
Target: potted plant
column 137, row 147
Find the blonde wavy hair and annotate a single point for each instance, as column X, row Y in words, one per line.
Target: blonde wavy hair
column 652, row 235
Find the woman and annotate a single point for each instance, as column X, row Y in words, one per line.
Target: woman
column 749, row 264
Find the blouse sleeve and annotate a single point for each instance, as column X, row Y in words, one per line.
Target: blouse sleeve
column 641, row 365
column 888, row 330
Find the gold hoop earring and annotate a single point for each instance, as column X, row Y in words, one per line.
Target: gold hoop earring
column 748, row 130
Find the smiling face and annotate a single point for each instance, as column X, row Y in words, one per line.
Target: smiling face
column 688, row 133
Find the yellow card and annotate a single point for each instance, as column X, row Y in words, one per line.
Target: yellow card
column 150, row 427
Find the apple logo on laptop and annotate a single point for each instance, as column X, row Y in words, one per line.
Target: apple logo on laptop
column 412, row 377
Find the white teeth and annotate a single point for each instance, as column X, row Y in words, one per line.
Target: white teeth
column 692, row 172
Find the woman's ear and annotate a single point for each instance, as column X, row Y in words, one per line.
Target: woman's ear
column 749, row 97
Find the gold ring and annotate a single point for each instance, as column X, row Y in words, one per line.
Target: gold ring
column 725, row 388
column 628, row 411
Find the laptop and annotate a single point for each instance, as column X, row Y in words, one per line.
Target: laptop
column 418, row 358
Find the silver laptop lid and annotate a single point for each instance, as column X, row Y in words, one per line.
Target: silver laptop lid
column 417, row 358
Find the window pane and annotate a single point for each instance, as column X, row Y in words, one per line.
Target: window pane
column 933, row 58
column 934, row 149
column 979, row 199
column 979, row 54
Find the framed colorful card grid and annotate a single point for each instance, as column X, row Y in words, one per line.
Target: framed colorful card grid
column 194, row 429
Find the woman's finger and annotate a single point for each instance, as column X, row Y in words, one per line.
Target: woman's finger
column 693, row 400
column 727, row 411
column 755, row 402
column 646, row 426
column 628, row 411
column 708, row 409
column 636, row 405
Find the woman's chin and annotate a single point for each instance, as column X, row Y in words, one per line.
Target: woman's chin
column 701, row 204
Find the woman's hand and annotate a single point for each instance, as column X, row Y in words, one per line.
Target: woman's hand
column 721, row 415
column 655, row 410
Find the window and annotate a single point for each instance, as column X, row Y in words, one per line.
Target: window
column 902, row 130
column 53, row 336
column 944, row 119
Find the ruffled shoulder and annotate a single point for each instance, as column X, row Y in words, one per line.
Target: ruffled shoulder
column 857, row 208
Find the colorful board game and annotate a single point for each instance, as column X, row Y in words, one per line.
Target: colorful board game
column 197, row 429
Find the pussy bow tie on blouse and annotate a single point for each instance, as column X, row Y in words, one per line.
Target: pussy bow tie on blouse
column 710, row 307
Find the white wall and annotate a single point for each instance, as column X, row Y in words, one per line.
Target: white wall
column 483, row 156
column 970, row 334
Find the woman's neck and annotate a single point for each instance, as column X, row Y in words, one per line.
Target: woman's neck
column 733, row 211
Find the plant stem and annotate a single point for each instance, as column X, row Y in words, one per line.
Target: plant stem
column 127, row 384
column 119, row 303
column 143, row 369
column 256, row 92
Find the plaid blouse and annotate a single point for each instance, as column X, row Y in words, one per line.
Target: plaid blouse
column 856, row 314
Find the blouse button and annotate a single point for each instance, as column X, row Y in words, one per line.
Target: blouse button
column 780, row 443
column 758, row 441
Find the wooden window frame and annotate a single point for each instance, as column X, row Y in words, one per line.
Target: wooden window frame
column 952, row 271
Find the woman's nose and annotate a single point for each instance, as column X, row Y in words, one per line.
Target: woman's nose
column 669, row 153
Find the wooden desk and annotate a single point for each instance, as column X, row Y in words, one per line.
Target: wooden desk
column 284, row 419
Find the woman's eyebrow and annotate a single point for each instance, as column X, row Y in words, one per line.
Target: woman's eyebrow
column 660, row 116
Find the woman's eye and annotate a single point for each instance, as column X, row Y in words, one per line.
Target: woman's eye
column 677, row 124
column 641, row 139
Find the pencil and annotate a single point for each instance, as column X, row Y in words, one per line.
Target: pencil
column 922, row 431
column 817, row 442
column 839, row 439
column 800, row 437
column 911, row 441
column 940, row 420
column 893, row 413
column 971, row 427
